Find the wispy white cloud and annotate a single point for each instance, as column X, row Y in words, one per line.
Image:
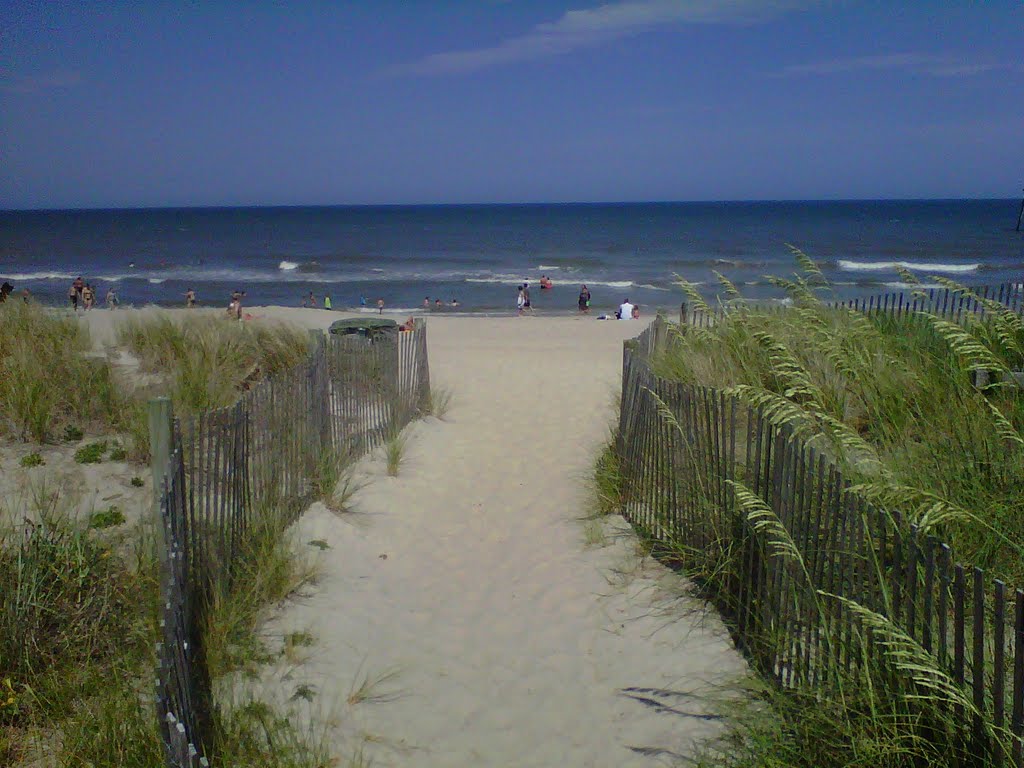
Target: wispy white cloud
column 936, row 65
column 594, row 26
column 12, row 82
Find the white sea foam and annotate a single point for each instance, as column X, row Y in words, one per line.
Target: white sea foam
column 912, row 286
column 649, row 287
column 38, row 276
column 287, row 266
column 876, row 266
column 581, row 281
column 549, row 267
column 157, row 280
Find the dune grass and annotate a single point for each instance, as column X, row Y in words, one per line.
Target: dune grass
column 77, row 630
column 440, row 401
column 208, row 360
column 394, row 451
column 49, row 378
column 892, row 400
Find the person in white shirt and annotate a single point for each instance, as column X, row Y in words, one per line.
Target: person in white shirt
column 625, row 311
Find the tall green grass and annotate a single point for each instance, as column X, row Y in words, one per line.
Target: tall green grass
column 48, row 377
column 208, row 361
column 77, row 628
column 892, row 400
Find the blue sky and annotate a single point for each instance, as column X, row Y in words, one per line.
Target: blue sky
column 155, row 104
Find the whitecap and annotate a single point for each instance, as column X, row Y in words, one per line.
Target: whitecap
column 38, row 276
column 287, row 266
column 874, row 266
column 157, row 280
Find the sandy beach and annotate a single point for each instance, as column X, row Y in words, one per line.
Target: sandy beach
column 500, row 633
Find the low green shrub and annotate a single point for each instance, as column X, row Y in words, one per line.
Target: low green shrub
column 107, row 518
column 92, row 453
column 32, row 460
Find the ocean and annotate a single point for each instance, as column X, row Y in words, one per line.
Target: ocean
column 478, row 254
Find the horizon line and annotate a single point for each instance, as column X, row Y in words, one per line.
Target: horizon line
column 524, row 204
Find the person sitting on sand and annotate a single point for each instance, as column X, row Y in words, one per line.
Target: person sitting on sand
column 625, row 311
column 636, row 312
column 408, row 325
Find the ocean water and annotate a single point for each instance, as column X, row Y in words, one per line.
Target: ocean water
column 478, row 254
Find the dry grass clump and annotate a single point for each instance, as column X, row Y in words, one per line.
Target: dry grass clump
column 892, row 400
column 209, row 360
column 49, row 380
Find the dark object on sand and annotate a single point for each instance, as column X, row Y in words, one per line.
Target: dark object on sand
column 372, row 327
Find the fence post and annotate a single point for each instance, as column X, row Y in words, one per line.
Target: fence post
column 159, row 410
column 683, row 315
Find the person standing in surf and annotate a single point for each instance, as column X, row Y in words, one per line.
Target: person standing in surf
column 584, row 300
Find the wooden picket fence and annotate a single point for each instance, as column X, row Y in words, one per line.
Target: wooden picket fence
column 266, row 454
column 948, row 303
column 796, row 585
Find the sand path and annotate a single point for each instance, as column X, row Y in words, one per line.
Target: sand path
column 511, row 643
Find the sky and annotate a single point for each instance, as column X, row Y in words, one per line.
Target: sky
column 425, row 101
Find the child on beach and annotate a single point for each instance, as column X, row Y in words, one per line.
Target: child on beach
column 380, row 306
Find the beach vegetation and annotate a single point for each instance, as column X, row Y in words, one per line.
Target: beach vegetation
column 107, row 518
column 92, row 453
column 440, row 401
column 924, row 417
column 339, row 497
column 394, row 451
column 77, row 631
column 606, row 486
column 373, row 689
column 33, row 459
column 895, row 401
column 72, row 434
column 205, row 362
column 49, row 379
column 137, row 482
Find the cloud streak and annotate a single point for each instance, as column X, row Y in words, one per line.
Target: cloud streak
column 596, row 26
column 935, row 65
column 11, row 82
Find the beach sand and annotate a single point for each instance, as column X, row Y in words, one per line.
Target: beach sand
column 491, row 625
column 466, row 581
